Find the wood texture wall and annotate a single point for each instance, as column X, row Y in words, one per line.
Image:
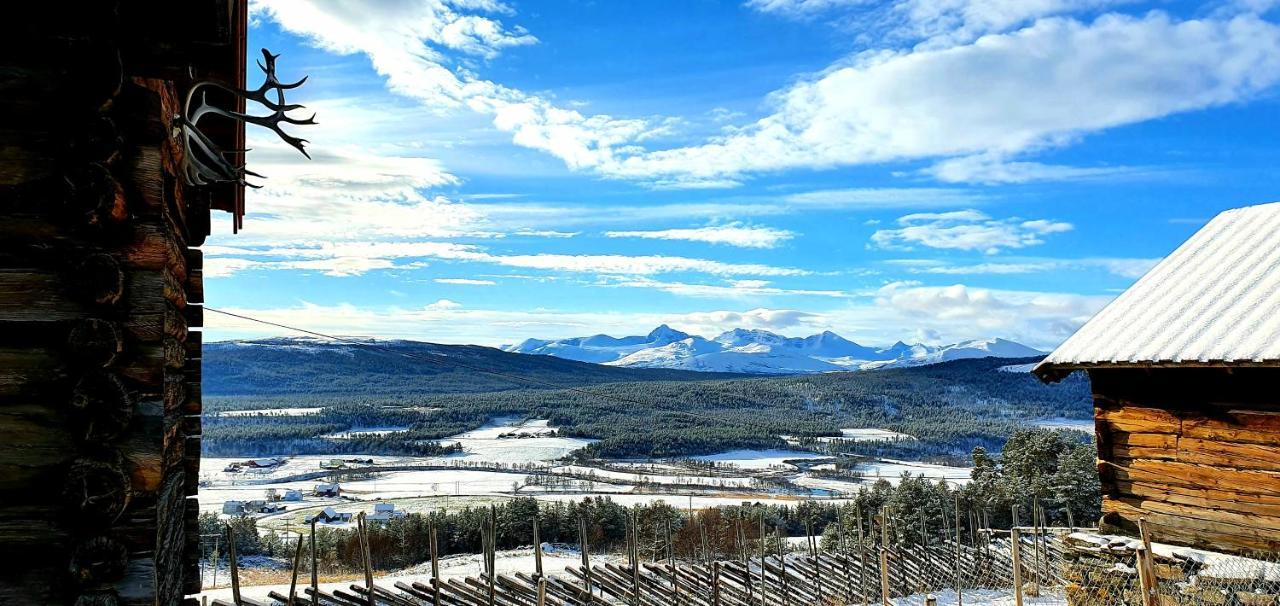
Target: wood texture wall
column 100, row 295
column 1194, row 451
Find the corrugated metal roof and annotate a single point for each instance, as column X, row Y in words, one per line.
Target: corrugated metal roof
column 1214, row 300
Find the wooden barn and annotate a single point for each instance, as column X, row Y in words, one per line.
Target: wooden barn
column 101, row 292
column 1184, row 367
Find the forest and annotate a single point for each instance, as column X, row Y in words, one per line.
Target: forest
column 950, row 408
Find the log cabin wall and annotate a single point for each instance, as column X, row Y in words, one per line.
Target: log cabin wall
column 100, row 293
column 1194, row 451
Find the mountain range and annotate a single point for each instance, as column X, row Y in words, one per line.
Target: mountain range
column 760, row 352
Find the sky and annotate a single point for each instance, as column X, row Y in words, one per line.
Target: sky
column 917, row 170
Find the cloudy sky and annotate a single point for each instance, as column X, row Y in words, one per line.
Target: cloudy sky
column 924, row 170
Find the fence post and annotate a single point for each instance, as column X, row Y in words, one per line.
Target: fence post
column 234, row 566
column 542, row 591
column 537, row 549
column 763, row 587
column 884, row 558
column 959, row 556
column 1146, row 569
column 1015, row 543
column 315, row 568
column 293, row 579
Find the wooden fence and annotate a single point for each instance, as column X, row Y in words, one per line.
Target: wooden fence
column 861, row 573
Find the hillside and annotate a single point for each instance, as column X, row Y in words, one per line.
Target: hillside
column 283, row 366
column 950, row 407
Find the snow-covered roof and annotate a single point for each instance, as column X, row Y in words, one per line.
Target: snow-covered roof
column 1213, row 301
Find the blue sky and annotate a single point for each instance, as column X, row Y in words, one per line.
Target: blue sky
column 918, row 170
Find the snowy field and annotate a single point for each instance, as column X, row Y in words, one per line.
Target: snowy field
column 858, row 434
column 760, row 459
column 484, row 444
column 356, row 432
column 891, row 470
column 1085, row 425
column 279, row 412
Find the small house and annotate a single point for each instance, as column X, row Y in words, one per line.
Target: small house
column 385, row 512
column 264, row 463
column 292, row 495
column 328, row 490
column 270, row 507
column 235, row 508
column 332, row 464
column 1184, row 367
column 329, row 516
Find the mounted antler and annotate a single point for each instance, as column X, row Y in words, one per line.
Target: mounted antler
column 204, row 162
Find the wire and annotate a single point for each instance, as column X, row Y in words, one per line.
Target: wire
column 446, row 361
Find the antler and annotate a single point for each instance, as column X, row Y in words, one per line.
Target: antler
column 205, row 162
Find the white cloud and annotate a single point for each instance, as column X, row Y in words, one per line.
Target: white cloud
column 443, row 305
column 734, row 289
column 1123, row 267
column 1058, row 80
column 342, row 259
column 959, row 312
column 871, row 198
column 733, row 234
column 966, row 230
column 465, row 282
column 898, row 311
column 987, row 169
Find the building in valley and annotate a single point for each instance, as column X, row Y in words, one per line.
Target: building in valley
column 1184, row 367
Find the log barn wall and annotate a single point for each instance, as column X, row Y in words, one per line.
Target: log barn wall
column 100, row 297
column 1194, row 451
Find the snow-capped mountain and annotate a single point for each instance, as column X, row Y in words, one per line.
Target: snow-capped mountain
column 761, row 352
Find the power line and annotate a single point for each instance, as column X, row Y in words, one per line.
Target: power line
column 446, row 361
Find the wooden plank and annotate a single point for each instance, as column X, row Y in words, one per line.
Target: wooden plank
column 1208, row 499
column 1241, row 481
column 1229, row 454
column 1182, row 530
column 1138, row 419
column 1237, row 426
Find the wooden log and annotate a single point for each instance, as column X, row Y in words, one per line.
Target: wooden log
column 1267, row 505
column 95, row 343
column 95, row 199
column 102, row 407
column 99, row 560
column 1122, row 516
column 1242, row 481
column 97, row 490
column 99, row 279
column 1138, row 419
column 1235, row 426
column 1229, row 454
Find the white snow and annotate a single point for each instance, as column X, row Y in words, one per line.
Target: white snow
column 357, row 432
column 282, row 412
column 1085, row 425
column 484, row 444
column 759, row 459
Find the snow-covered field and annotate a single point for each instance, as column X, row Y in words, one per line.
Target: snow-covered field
column 484, row 444
column 891, row 470
column 1085, row 425
column 858, row 434
column 282, row 412
column 356, row 432
column 760, row 459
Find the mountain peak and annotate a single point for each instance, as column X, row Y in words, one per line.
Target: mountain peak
column 665, row 334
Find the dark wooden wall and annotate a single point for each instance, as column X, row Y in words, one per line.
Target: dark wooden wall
column 1195, row 451
column 100, row 294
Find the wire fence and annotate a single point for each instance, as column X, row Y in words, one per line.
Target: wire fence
column 1033, row 566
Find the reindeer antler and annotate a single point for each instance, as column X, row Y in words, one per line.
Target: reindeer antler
column 204, row 162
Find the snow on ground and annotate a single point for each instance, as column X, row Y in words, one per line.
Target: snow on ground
column 707, row 501
column 355, row 432
column 404, row 484
column 1085, row 425
column 982, row 597
column 828, row 484
column 483, row 444
column 282, row 412
column 638, row 478
column 506, row 562
column 858, row 434
column 760, row 459
column 1017, row 367
column 891, row 470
